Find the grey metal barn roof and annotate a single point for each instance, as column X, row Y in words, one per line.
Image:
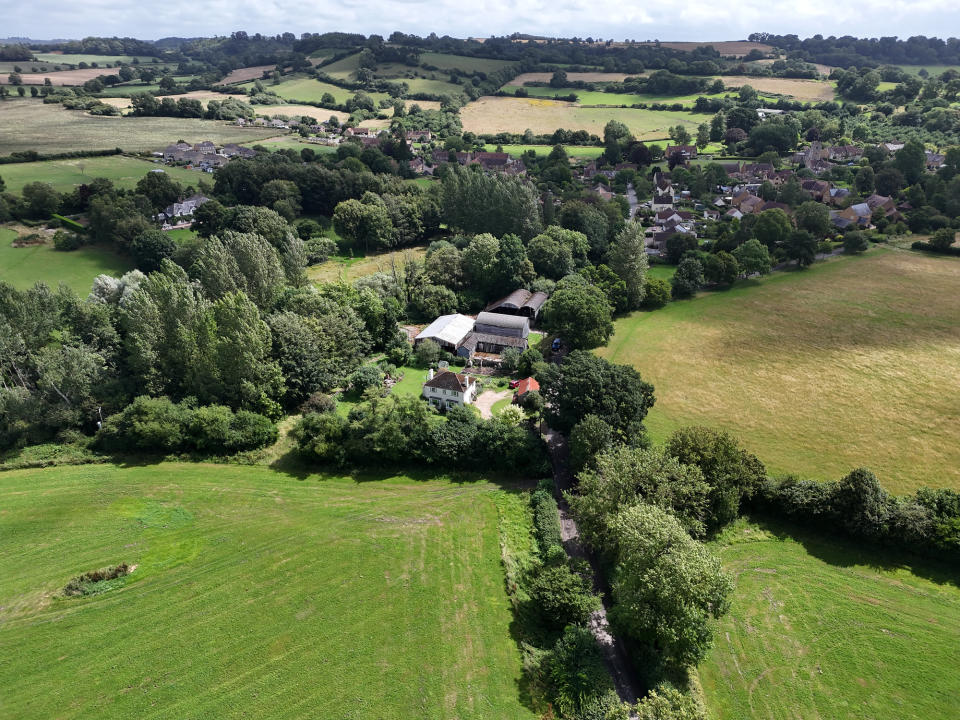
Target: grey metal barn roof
column 520, row 299
column 515, row 322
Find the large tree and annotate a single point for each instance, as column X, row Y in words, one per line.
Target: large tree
column 814, row 217
column 628, row 259
column 579, row 313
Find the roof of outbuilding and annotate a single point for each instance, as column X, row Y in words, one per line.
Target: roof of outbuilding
column 501, row 320
column 450, row 329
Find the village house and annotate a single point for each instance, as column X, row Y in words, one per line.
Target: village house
column 686, row 152
column 179, row 211
column 447, row 389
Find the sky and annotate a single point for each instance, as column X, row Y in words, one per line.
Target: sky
column 696, row 20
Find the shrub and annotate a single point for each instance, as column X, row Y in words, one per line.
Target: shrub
column 87, row 584
column 561, row 597
column 427, row 353
column 575, row 672
column 546, row 520
column 400, row 353
column 318, row 402
column 656, row 293
column 320, row 249
column 320, row 436
column 364, row 377
column 66, row 241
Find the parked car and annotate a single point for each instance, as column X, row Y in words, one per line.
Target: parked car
column 555, row 345
column 514, row 384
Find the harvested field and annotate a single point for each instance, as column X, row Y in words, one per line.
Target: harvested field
column 31, row 125
column 203, row 95
column 812, row 90
column 247, row 74
column 506, row 114
column 871, row 345
column 295, row 111
column 574, row 76
column 65, row 78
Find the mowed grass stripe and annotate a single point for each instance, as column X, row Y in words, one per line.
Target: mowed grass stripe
column 823, row 628
column 270, row 597
column 855, row 362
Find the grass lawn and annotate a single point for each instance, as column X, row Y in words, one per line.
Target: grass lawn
column 576, row 151
column 181, row 235
column 662, row 272
column 854, row 362
column 31, row 125
column 348, row 268
column 65, row 175
column 499, row 406
column 256, row 593
column 506, row 114
column 23, row 267
column 819, row 628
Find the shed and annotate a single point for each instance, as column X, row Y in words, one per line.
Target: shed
column 489, row 323
column 448, row 331
column 520, row 302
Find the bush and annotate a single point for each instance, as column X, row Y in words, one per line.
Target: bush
column 656, row 293
column 318, row 402
column 919, row 245
column 320, row 249
column 561, row 597
column 320, row 436
column 158, row 425
column 364, row 377
column 66, row 241
column 854, row 242
column 575, row 673
column 546, row 520
column 427, row 353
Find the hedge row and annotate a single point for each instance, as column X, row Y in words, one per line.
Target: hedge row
column 34, row 156
column 927, row 247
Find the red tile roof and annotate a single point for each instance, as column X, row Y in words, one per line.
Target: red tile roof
column 526, row 385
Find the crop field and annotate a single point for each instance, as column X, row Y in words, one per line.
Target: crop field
column 65, row 175
column 574, row 151
column 348, row 268
column 23, row 267
column 102, row 60
column 444, row 61
column 247, row 73
column 31, row 125
column 505, row 114
column 595, row 97
column 871, row 345
column 597, row 77
column 804, row 90
column 255, row 594
column 820, row 628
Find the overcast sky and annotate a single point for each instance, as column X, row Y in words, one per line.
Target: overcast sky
column 686, row 20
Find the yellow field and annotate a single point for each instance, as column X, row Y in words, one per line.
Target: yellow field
column 855, row 362
column 507, row 114
column 813, row 90
column 203, row 95
column 519, row 80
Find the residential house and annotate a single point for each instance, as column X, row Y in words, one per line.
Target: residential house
column 687, row 152
column 232, row 150
column 205, row 148
column 764, row 113
column 818, row 189
column 419, row 136
column 845, row 153
column 184, row 209
column 447, row 389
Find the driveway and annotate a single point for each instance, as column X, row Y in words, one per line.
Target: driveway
column 485, row 401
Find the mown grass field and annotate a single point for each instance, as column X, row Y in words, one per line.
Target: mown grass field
column 65, row 175
column 23, row 267
column 31, row 125
column 820, row 628
column 102, row 60
column 310, row 90
column 350, row 267
column 444, row 61
column 506, row 114
column 579, row 151
column 854, row 362
column 256, row 594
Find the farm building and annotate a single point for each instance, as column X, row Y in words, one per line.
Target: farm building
column 489, row 343
column 447, row 331
column 447, row 389
column 520, row 302
column 523, row 387
column 499, row 324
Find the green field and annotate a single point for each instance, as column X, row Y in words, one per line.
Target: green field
column 31, row 125
column 824, row 629
column 431, row 87
column 342, row 69
column 310, row 90
column 65, row 175
column 445, row 61
column 933, row 70
column 592, row 97
column 22, row 267
column 101, row 60
column 577, row 151
column 855, row 362
column 256, row 594
column 128, row 89
column 349, row 268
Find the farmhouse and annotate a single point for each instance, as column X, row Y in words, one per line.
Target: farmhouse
column 520, row 302
column 183, row 209
column 448, row 389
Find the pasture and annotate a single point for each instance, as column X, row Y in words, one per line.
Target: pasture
column 347, row 268
column 445, row 61
column 598, row 77
column 727, row 48
column 932, row 70
column 31, row 125
column 506, row 114
column 574, row 151
column 597, row 97
column 101, row 60
column 65, row 175
column 821, row 628
column 246, row 74
column 342, row 69
column 871, row 345
column 26, row 266
column 256, row 593
column 311, row 90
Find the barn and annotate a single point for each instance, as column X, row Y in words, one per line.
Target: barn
column 520, row 302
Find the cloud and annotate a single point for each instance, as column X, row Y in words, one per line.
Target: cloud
column 697, row 20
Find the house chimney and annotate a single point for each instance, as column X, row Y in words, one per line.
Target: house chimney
column 430, row 374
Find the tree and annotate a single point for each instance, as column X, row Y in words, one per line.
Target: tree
column 667, row 587
column 40, row 200
column 589, row 438
column 240, row 262
column 943, row 238
column 911, row 161
column 865, row 181
column 703, row 136
column 814, row 217
column 427, row 353
column 581, row 385
column 160, row 189
column 802, row 247
column 628, row 259
column 151, row 248
column 579, row 313
column 688, row 278
column 718, row 127
column 731, row 472
column 550, row 257
column 479, row 260
column 668, row 703
column 772, row 228
column 616, row 137
column 889, row 181
column 475, row 202
column 657, row 292
column 679, row 134
column 678, row 245
column 720, row 268
column 854, row 242
column 366, row 224
column 753, row 258
column 861, row 504
column 561, row 597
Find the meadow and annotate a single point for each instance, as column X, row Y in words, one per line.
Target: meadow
column 311, row 90
column 65, row 175
column 819, row 628
column 31, row 125
column 444, row 61
column 25, row 266
column 516, row 115
column 102, row 60
column 871, row 345
column 573, row 76
column 576, row 151
column 596, row 97
column 932, row 70
column 347, row 268
column 256, row 593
